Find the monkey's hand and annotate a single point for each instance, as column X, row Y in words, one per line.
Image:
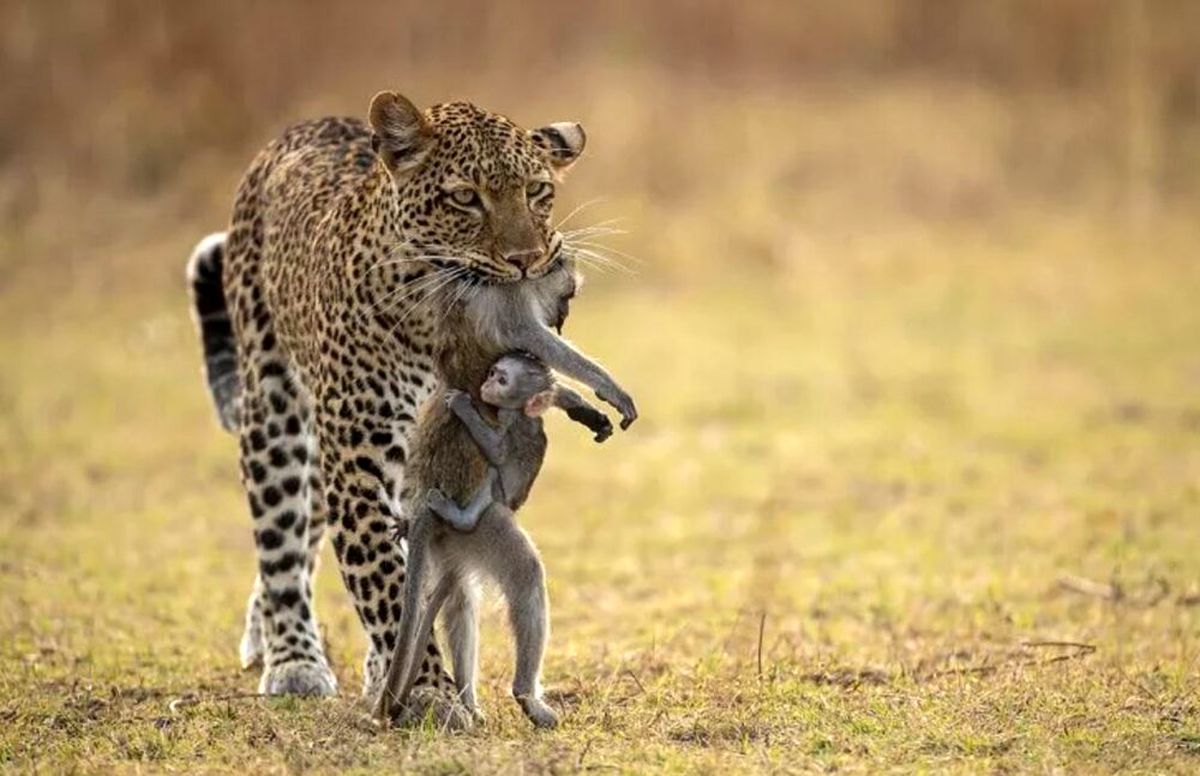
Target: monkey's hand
column 623, row 402
column 594, row 419
column 400, row 529
column 456, row 398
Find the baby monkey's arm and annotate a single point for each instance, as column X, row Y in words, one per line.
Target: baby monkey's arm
column 490, row 440
column 581, row 411
column 466, row 518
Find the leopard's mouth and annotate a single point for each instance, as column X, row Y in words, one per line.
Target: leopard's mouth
column 552, row 263
column 479, row 275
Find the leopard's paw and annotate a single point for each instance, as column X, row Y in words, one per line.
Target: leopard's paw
column 251, row 648
column 299, row 678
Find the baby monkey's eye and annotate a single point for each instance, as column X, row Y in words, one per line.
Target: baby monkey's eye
column 465, row 197
column 538, row 189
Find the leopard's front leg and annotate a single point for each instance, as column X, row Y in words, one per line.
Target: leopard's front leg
column 362, row 462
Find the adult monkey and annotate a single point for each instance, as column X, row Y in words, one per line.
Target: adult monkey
column 318, row 317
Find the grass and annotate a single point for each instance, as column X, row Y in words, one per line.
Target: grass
column 926, row 503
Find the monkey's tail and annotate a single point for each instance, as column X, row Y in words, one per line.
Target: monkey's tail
column 211, row 313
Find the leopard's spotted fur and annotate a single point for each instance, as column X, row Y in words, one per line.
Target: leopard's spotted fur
column 340, row 233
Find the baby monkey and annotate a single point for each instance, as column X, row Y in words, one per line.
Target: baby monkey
column 482, row 535
column 518, row 389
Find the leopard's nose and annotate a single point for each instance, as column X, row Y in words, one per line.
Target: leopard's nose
column 522, row 259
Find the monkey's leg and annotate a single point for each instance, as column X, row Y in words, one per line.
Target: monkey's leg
column 424, row 631
column 466, row 518
column 462, row 631
column 510, row 556
column 410, row 616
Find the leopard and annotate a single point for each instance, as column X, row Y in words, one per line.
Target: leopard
column 318, row 315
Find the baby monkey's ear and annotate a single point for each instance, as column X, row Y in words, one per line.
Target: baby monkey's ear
column 537, row 404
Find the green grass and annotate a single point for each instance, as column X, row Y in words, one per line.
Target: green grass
column 837, row 539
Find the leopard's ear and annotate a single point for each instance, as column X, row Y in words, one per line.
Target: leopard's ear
column 562, row 143
column 403, row 138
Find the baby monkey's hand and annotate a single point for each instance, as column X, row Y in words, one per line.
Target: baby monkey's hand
column 456, row 398
column 603, row 428
column 596, row 421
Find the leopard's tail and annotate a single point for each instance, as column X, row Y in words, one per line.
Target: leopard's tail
column 211, row 313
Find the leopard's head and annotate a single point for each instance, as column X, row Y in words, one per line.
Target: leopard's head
column 475, row 191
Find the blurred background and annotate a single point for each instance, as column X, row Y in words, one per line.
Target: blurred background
column 909, row 307
column 784, row 123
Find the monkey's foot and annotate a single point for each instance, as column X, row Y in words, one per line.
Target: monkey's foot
column 446, row 509
column 299, row 678
column 446, row 711
column 538, row 712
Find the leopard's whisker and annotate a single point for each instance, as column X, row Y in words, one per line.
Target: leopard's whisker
column 607, row 261
column 459, row 293
column 590, row 235
column 423, row 258
column 592, row 265
column 609, row 249
column 577, row 210
column 605, row 224
column 431, row 294
column 397, row 296
column 426, row 301
column 590, row 262
column 419, row 259
column 423, row 288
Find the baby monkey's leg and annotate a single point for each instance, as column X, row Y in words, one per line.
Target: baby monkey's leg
column 461, row 618
column 510, row 557
column 465, row 518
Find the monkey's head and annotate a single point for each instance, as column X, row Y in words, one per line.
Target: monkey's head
column 518, row 381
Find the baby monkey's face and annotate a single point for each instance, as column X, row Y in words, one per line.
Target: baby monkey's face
column 518, row 382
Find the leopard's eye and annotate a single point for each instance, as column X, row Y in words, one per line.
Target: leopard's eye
column 465, row 198
column 538, row 189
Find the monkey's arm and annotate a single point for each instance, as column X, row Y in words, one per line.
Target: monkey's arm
column 581, row 411
column 465, row 518
column 560, row 355
column 490, row 441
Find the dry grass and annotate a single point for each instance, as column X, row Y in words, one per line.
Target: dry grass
column 838, row 538
column 916, row 482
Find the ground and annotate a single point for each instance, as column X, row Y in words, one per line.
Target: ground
column 922, row 502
